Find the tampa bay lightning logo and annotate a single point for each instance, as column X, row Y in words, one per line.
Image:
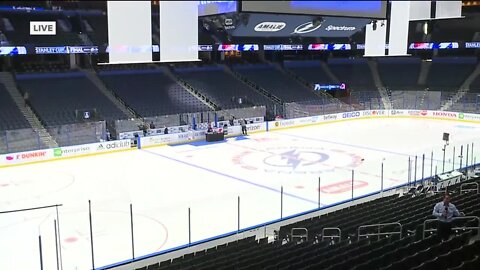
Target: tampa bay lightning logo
column 307, row 27
column 295, row 158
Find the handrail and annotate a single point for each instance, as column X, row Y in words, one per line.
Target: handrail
column 470, row 189
column 302, row 233
column 378, row 229
column 455, row 228
column 339, row 236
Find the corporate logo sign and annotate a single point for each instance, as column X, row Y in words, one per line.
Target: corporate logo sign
column 350, row 115
column 396, row 112
column 445, row 114
column 468, row 116
column 284, row 123
column 307, row 27
column 71, row 151
column 417, row 113
column 275, row 25
column 269, row 26
column 340, row 28
column 114, row 145
column 373, row 113
column 28, row 156
column 330, row 117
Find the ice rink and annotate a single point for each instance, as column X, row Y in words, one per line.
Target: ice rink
column 162, row 183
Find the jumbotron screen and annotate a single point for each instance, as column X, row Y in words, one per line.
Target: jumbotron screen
column 363, row 9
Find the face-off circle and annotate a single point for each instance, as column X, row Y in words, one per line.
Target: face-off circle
column 296, row 160
column 20, row 187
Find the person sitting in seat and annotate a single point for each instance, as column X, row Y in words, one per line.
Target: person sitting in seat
column 445, row 212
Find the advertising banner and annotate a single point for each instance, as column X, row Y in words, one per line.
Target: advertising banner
column 469, row 117
column 26, row 157
column 348, row 115
column 111, row 146
column 374, row 113
column 274, row 25
column 9, row 50
column 331, row 117
column 445, row 115
column 184, row 137
column 397, row 113
column 69, row 151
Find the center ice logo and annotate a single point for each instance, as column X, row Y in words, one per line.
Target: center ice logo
column 296, row 160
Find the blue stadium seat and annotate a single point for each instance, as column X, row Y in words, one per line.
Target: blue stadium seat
column 151, row 93
column 55, row 97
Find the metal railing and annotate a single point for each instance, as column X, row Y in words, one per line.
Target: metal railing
column 378, row 233
column 19, row 140
column 454, row 228
column 299, row 233
column 463, row 189
column 332, row 236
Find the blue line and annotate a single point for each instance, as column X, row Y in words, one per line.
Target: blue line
column 233, row 177
column 359, row 146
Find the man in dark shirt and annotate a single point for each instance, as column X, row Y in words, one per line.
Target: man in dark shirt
column 243, row 122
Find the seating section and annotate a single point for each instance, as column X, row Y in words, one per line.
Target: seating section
column 475, row 86
column 366, row 100
column 10, row 115
column 399, row 73
column 98, row 28
column 151, row 93
column 309, row 70
column 16, row 27
column 220, row 87
column 56, row 96
column 449, row 73
column 412, row 250
column 16, row 134
column 275, row 82
column 355, row 72
column 30, row 67
column 410, row 212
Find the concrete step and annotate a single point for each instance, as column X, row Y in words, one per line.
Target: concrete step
column 8, row 81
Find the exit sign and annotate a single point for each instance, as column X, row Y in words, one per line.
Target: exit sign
column 43, row 28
